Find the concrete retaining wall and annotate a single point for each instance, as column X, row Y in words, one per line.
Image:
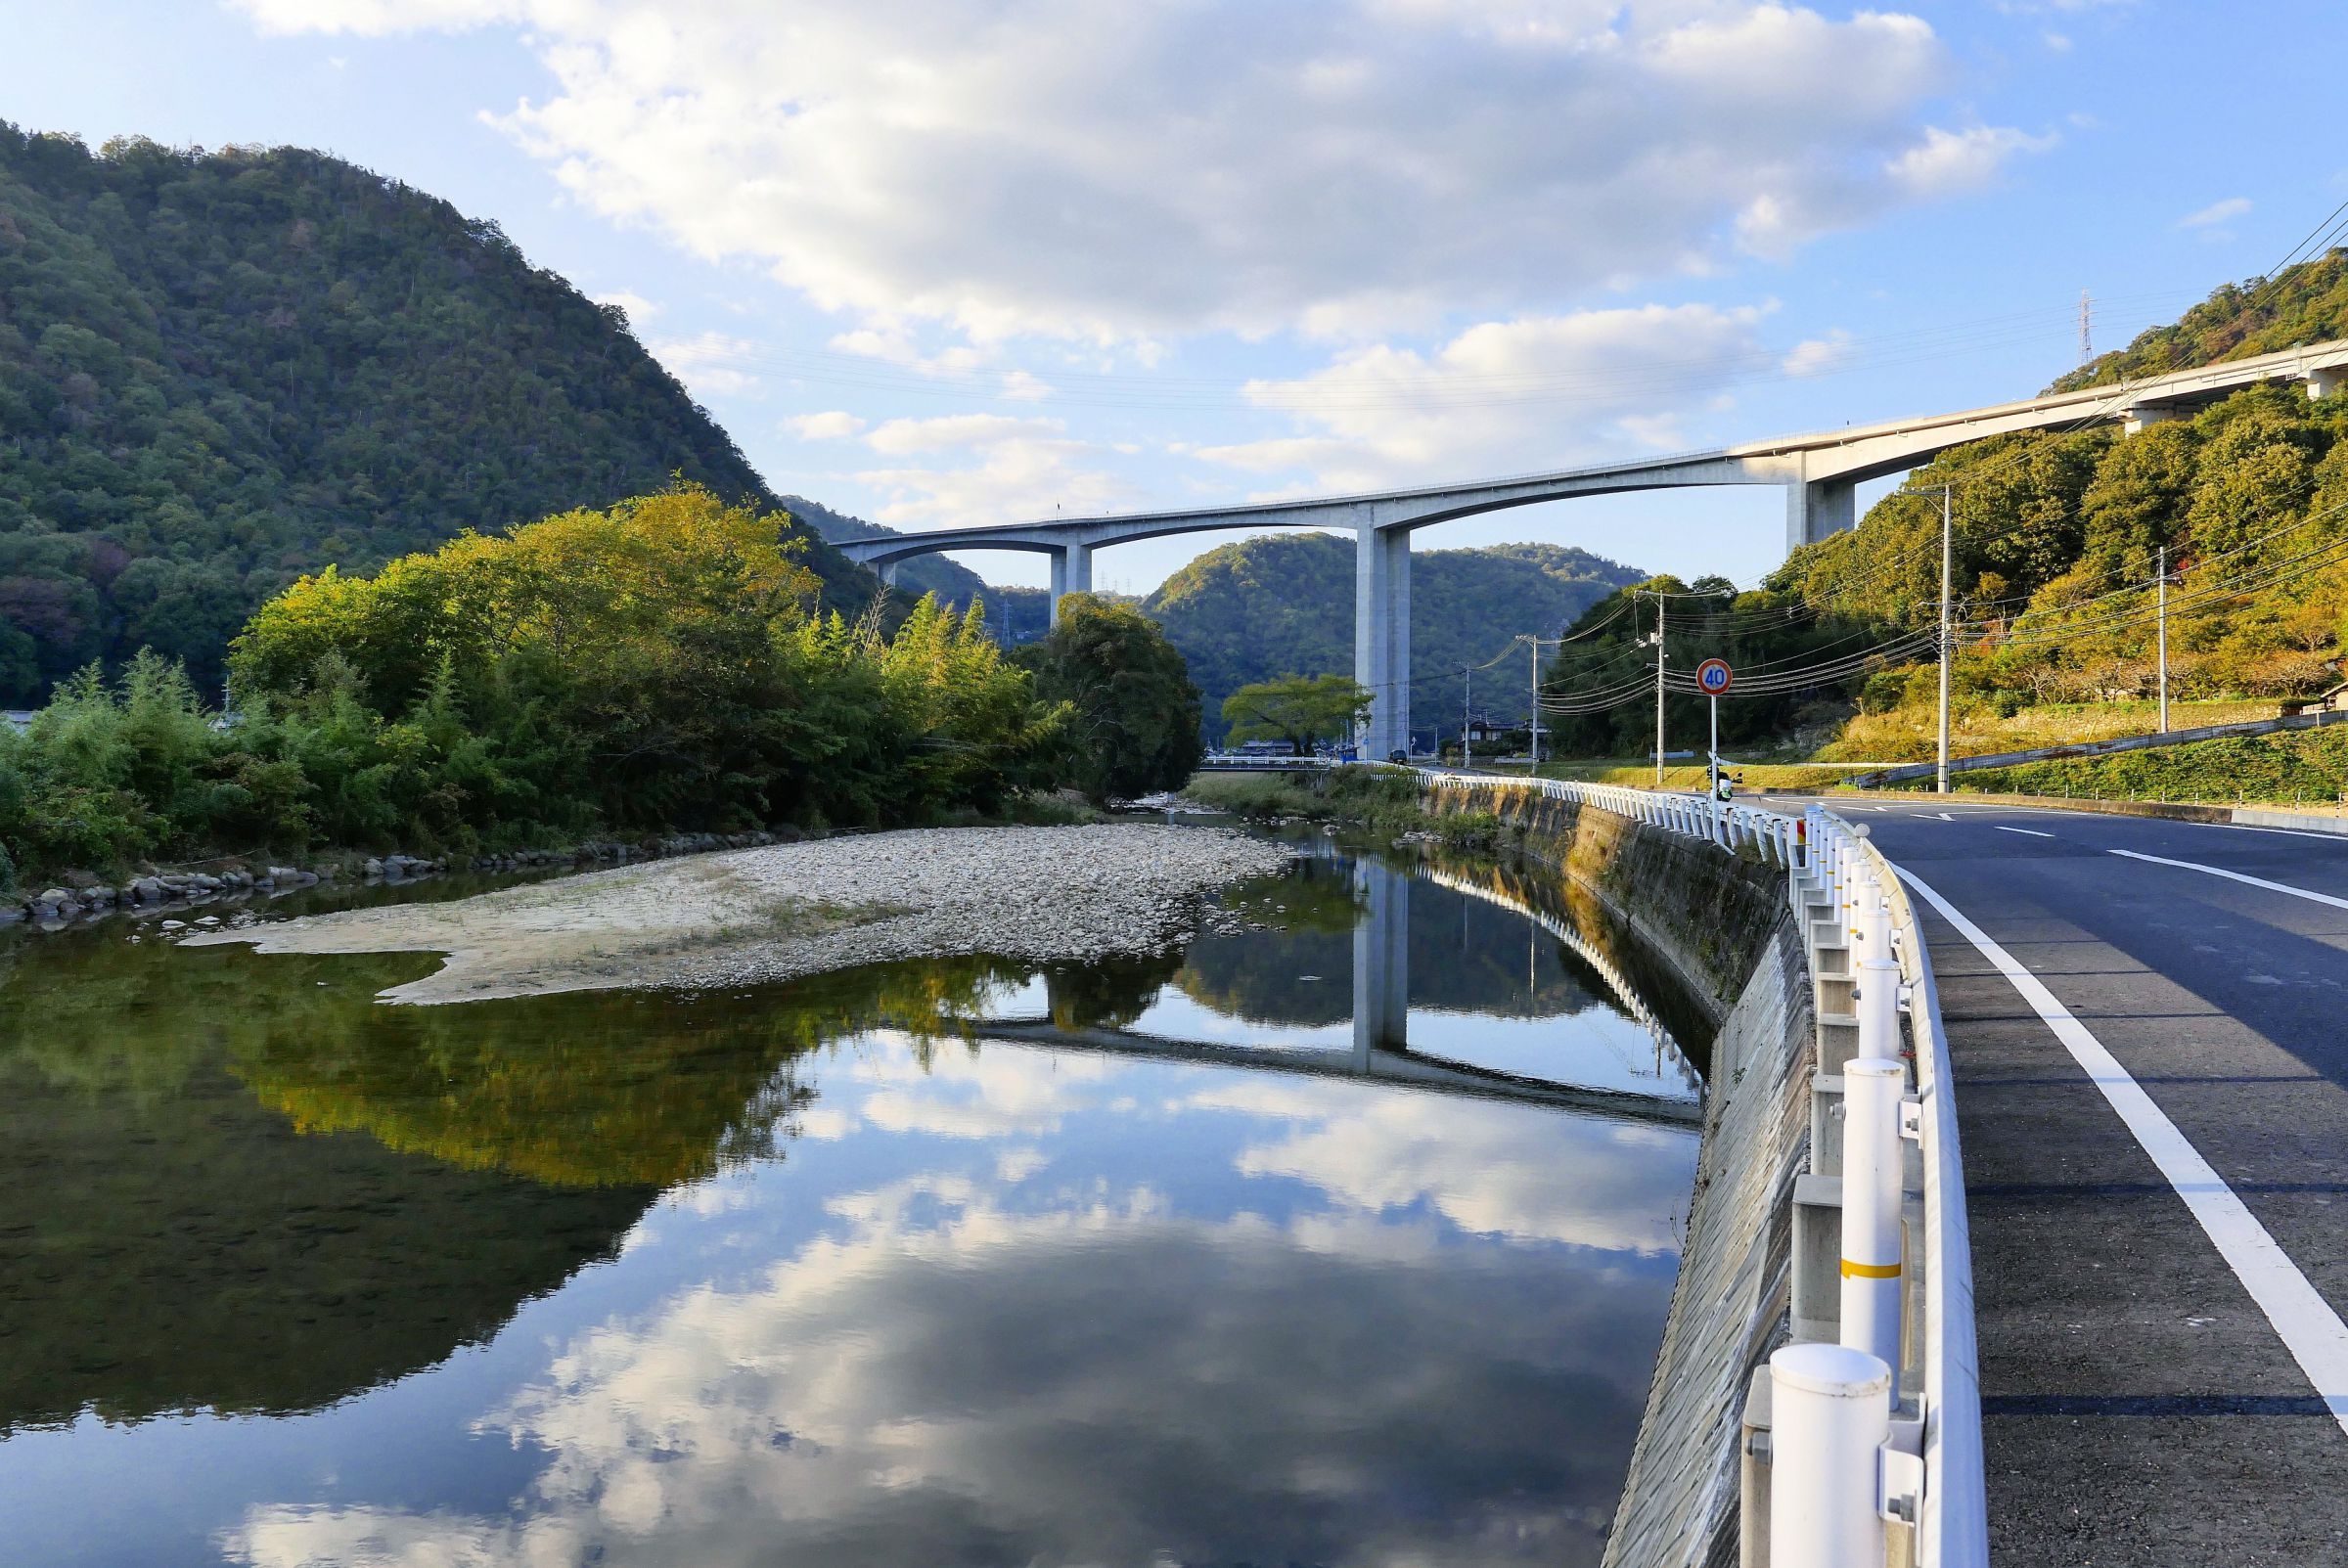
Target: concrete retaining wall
column 1725, row 925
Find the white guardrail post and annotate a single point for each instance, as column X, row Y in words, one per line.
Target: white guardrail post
column 1832, row 1415
column 1838, row 1465
column 1872, row 1090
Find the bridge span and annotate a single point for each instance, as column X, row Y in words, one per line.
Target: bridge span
column 1820, row 473
column 1381, row 1050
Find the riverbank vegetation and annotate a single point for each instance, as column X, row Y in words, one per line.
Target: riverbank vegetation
column 1133, row 715
column 1382, row 800
column 662, row 664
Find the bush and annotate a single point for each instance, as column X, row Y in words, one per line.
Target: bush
column 655, row 667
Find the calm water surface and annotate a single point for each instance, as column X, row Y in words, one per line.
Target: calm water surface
column 950, row 1263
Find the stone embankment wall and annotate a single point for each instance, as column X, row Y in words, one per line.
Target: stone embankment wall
column 1725, row 925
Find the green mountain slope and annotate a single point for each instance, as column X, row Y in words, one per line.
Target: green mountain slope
column 1283, row 604
column 218, row 371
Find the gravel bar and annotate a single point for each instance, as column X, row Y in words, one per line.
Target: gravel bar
column 1042, row 894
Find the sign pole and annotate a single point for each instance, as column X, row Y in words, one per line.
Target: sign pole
column 1712, row 677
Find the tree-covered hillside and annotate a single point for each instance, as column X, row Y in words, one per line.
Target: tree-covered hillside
column 2303, row 304
column 1283, row 604
column 2057, row 534
column 219, row 371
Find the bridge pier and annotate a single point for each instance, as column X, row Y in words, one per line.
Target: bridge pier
column 1071, row 573
column 1817, row 509
column 2325, row 383
column 1381, row 964
column 888, row 571
column 1382, row 636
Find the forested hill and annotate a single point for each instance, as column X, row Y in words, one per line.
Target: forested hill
column 2303, row 304
column 1283, row 604
column 2057, row 533
column 219, row 371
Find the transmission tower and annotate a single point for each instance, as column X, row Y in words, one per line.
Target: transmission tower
column 2086, row 320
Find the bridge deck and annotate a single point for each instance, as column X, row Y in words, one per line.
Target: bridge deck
column 2140, row 1404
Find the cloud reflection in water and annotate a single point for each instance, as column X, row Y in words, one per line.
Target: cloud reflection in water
column 1337, row 1323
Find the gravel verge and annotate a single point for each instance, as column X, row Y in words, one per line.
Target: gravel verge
column 1044, row 894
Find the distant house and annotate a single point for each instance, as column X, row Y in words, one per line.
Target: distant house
column 20, row 719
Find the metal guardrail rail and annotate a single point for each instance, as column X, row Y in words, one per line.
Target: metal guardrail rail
column 1842, row 1472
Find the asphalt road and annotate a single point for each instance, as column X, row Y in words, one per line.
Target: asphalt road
column 2139, row 1406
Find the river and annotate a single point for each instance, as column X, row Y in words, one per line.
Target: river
column 1292, row 1247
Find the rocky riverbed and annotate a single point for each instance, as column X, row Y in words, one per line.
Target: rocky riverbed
column 786, row 910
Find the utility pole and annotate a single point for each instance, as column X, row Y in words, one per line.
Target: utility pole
column 1947, row 555
column 1466, row 717
column 1535, row 767
column 2163, row 558
column 1659, row 612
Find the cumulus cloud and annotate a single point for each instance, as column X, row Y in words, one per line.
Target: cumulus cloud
column 1611, row 1187
column 943, row 1375
column 1538, row 392
column 1019, row 470
column 1112, row 173
column 1830, row 351
column 1948, row 163
column 955, row 430
column 832, row 425
column 639, row 308
column 711, row 364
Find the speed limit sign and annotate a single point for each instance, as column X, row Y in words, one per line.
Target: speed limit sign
column 1713, row 676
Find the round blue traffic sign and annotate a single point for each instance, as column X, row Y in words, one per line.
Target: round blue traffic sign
column 1713, row 676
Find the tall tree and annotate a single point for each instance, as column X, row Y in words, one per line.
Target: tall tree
column 1299, row 709
column 1136, row 715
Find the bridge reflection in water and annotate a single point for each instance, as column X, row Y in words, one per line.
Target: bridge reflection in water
column 1382, row 1016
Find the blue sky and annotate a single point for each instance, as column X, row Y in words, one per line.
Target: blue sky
column 940, row 261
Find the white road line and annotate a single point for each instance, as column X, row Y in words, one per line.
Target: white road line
column 2032, row 831
column 2311, row 1330
column 2309, row 894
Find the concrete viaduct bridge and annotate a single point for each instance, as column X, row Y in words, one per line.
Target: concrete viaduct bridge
column 1382, row 1049
column 1819, row 473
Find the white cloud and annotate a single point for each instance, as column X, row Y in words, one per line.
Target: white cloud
column 1830, row 351
column 2217, row 214
column 1614, row 1187
column 943, row 1373
column 832, row 425
column 1948, row 163
column 1540, row 392
column 1119, row 173
column 711, row 364
column 640, row 310
column 951, row 430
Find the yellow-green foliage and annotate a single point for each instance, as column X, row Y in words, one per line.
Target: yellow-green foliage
column 660, row 665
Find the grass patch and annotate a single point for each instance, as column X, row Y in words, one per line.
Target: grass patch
column 1913, row 734
column 2307, row 768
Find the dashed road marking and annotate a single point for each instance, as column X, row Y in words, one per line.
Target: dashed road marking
column 2311, row 1330
column 2032, row 831
column 2310, row 894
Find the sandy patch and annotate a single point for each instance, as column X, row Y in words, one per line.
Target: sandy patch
column 769, row 914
